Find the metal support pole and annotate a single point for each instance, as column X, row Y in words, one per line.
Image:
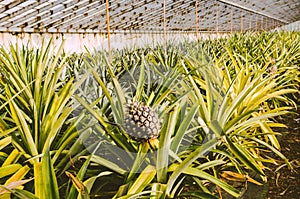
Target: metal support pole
column 165, row 27
column 217, row 20
column 256, row 23
column 250, row 23
column 197, row 19
column 231, row 22
column 108, row 31
column 242, row 25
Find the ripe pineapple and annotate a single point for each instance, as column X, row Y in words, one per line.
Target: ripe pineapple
column 141, row 122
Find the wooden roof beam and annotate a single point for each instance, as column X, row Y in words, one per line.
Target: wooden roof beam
column 65, row 14
column 51, row 17
column 121, row 14
column 81, row 19
column 22, row 10
column 113, row 13
column 77, row 14
column 81, row 16
column 178, row 8
column 10, row 6
column 251, row 10
column 35, row 14
column 154, row 16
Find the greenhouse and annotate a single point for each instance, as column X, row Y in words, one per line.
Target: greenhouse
column 151, row 99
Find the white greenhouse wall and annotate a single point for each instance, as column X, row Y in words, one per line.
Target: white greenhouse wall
column 78, row 42
column 291, row 27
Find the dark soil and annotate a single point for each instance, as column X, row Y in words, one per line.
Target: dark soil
column 284, row 183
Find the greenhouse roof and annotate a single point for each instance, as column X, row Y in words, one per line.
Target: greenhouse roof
column 90, row 16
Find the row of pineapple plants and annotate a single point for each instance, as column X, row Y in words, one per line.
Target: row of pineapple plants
column 182, row 120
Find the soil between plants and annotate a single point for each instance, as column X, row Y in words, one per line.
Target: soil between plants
column 285, row 183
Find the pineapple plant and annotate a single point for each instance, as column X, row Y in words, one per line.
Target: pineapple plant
column 141, row 122
column 195, row 99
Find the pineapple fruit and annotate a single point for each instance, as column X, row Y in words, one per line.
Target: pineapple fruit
column 141, row 122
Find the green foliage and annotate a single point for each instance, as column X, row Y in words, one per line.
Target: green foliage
column 11, row 172
column 218, row 103
column 38, row 103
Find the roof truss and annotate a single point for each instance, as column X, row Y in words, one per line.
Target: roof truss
column 145, row 15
